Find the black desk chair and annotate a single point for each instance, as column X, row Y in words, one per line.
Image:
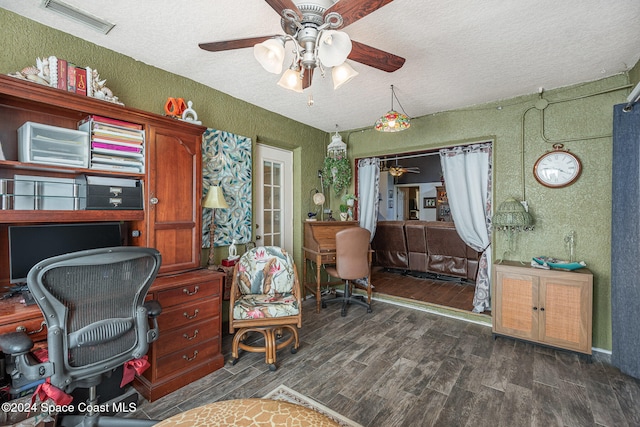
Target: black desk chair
column 94, row 306
column 352, row 263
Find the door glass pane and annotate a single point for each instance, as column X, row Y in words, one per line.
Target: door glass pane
column 268, row 241
column 268, row 229
column 276, row 222
column 277, row 168
column 267, row 173
column 267, row 198
column 276, row 197
column 276, row 240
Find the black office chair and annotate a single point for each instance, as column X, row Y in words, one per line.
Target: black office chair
column 352, row 263
column 94, row 306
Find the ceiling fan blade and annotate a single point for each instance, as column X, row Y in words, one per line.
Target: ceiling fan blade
column 233, row 44
column 280, row 5
column 375, row 58
column 353, row 10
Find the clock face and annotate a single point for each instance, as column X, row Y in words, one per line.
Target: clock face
column 557, row 168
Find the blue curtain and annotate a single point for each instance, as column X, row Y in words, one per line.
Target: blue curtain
column 625, row 240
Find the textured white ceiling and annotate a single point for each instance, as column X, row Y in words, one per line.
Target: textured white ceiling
column 458, row 52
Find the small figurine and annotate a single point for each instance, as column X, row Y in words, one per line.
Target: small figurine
column 233, row 252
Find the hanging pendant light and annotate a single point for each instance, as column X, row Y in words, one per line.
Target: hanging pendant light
column 393, row 121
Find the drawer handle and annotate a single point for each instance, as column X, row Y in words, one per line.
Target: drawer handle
column 195, row 334
column 189, row 359
column 195, row 290
column 24, row 329
column 195, row 313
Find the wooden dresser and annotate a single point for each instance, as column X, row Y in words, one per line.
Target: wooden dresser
column 190, row 326
column 551, row 307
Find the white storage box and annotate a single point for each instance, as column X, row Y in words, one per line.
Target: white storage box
column 51, row 145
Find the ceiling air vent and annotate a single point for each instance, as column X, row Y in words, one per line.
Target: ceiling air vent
column 76, row 14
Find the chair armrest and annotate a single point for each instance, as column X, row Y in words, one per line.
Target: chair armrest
column 153, row 308
column 15, row 343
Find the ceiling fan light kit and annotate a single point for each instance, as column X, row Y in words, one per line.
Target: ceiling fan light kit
column 270, row 54
column 291, row 80
column 342, row 74
column 312, row 27
column 393, row 121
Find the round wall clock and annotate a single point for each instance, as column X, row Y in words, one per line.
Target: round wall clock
column 557, row 168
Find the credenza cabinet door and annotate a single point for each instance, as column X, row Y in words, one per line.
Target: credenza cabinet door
column 550, row 307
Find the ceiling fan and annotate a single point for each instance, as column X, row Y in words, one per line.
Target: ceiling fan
column 397, row 170
column 312, row 27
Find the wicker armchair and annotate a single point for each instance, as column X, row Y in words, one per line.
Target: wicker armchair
column 265, row 298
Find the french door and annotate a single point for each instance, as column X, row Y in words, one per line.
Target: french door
column 274, row 198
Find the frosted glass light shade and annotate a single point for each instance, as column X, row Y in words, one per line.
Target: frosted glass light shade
column 270, row 54
column 291, row 80
column 341, row 74
column 333, row 48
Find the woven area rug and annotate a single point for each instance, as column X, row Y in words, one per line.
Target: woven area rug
column 286, row 394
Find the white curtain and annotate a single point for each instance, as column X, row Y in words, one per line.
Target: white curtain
column 467, row 176
column 368, row 190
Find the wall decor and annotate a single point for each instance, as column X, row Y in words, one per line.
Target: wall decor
column 226, row 161
column 429, row 202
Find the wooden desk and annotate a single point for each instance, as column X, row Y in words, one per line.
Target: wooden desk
column 319, row 247
column 15, row 316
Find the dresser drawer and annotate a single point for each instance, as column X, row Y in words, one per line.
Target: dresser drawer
column 186, row 359
column 188, row 313
column 186, row 294
column 191, row 334
column 35, row 328
column 328, row 258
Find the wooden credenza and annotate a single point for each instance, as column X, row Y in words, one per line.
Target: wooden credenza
column 189, row 346
column 551, row 307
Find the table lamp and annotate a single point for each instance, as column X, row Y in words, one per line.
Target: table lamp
column 215, row 199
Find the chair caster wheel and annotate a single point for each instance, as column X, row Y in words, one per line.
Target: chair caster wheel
column 343, row 313
column 272, row 367
column 294, row 350
column 234, row 361
column 324, row 304
column 369, row 310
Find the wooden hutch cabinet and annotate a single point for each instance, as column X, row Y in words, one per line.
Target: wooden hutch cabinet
column 551, row 307
column 169, row 221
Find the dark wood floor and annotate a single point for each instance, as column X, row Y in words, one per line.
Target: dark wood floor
column 400, row 366
column 451, row 293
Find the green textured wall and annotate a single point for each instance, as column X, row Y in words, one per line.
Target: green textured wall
column 575, row 115
column 147, row 88
column 580, row 114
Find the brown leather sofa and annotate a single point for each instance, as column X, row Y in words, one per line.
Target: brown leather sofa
column 424, row 247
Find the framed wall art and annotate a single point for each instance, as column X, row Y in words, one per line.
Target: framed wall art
column 226, row 161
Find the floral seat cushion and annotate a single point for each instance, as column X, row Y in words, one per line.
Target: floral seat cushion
column 265, row 277
column 256, row 306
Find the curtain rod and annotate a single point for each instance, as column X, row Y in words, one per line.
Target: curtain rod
column 410, row 156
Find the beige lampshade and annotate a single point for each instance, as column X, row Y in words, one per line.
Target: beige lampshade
column 215, row 198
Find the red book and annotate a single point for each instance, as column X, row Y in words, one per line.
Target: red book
column 81, row 81
column 71, row 77
column 62, row 74
column 111, row 121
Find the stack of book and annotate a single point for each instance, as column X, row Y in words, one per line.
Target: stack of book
column 116, row 145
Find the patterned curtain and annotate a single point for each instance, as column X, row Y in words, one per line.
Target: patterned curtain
column 226, row 161
column 467, row 175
